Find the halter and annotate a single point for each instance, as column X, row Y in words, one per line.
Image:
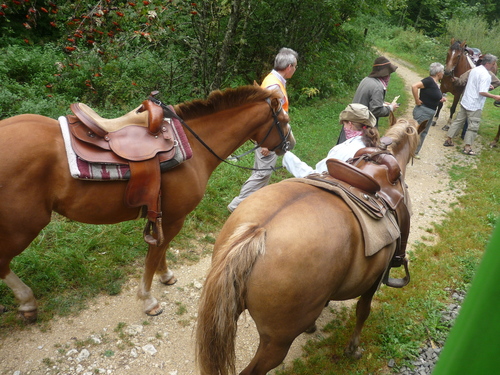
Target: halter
column 284, row 144
column 461, row 50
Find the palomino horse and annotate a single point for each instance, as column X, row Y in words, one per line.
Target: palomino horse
column 284, row 253
column 457, row 64
column 35, row 179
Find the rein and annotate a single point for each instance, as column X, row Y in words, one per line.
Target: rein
column 284, row 144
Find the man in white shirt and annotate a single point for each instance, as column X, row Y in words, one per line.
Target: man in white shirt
column 472, row 103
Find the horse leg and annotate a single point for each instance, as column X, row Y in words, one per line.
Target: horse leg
column 453, row 108
column 156, row 262
column 24, row 295
column 363, row 308
column 167, row 276
column 270, row 353
column 438, row 111
column 15, row 236
column 495, row 140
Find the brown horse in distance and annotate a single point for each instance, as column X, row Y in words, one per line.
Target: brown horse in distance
column 284, row 253
column 35, row 179
column 457, row 63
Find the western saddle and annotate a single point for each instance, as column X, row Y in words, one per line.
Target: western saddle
column 142, row 139
column 376, row 172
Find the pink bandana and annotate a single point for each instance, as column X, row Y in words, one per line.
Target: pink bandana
column 385, row 80
column 352, row 133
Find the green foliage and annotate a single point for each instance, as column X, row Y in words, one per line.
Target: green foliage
column 477, row 31
column 111, row 55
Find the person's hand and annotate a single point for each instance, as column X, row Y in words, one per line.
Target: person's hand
column 394, row 106
column 443, row 99
column 264, row 151
column 418, row 102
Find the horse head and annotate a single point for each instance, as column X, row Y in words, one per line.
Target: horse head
column 455, row 52
column 282, row 128
column 405, row 138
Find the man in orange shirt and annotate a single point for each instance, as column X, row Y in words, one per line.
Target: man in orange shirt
column 285, row 65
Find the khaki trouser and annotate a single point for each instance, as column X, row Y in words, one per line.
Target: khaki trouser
column 258, row 179
column 474, row 119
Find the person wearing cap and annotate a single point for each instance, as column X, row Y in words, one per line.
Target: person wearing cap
column 359, row 127
column 372, row 89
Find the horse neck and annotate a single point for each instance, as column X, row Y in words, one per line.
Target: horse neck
column 403, row 156
column 224, row 132
column 462, row 66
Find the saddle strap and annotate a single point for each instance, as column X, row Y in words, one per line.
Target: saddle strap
column 403, row 220
column 143, row 189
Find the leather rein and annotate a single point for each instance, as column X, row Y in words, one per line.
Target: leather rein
column 284, row 144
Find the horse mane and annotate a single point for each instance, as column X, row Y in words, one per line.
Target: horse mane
column 402, row 132
column 221, row 100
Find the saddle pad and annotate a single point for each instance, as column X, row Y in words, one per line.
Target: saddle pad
column 377, row 232
column 81, row 169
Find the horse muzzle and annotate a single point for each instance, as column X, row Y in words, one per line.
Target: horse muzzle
column 288, row 143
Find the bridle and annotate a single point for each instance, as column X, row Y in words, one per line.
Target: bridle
column 284, row 143
column 461, row 53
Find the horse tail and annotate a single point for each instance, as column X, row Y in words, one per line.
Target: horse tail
column 223, row 299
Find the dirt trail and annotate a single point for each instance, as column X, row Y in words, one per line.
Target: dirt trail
column 97, row 341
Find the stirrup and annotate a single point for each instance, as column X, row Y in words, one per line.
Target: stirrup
column 397, row 283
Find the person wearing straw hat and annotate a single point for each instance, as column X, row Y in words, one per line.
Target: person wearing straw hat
column 359, row 127
column 372, row 89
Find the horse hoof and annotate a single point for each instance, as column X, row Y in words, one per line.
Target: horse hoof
column 170, row 281
column 311, row 329
column 28, row 316
column 154, row 311
column 356, row 353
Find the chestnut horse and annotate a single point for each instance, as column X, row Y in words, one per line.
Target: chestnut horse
column 284, row 253
column 35, row 178
column 457, row 63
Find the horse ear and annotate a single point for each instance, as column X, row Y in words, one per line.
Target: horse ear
column 276, row 104
column 463, row 44
column 452, row 41
column 255, row 83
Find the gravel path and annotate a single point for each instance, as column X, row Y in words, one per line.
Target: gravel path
column 113, row 336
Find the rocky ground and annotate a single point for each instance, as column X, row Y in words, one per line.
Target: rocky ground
column 113, row 336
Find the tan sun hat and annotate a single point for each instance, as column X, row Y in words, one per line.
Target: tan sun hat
column 359, row 113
